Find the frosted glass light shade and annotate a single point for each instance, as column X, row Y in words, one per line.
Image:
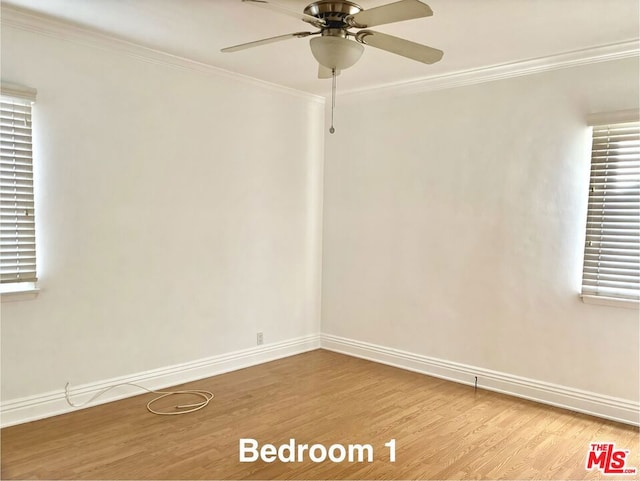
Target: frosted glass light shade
column 336, row 52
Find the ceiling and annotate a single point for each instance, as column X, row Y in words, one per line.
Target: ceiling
column 472, row 33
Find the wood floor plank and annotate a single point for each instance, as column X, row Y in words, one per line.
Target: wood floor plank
column 443, row 430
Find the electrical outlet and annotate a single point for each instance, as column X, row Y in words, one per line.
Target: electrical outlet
column 259, row 338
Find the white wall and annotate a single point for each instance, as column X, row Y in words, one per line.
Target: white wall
column 454, row 225
column 178, row 212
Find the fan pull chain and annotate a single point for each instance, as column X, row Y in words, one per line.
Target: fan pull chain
column 333, row 98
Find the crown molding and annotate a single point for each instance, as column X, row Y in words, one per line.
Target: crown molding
column 29, row 21
column 44, row 25
column 603, row 53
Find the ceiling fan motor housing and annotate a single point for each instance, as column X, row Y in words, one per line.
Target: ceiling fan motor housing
column 337, row 47
column 332, row 49
column 333, row 12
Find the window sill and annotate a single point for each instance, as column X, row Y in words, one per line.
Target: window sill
column 611, row 301
column 17, row 292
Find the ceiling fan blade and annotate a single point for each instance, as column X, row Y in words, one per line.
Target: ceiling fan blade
column 285, row 11
column 399, row 46
column 265, row 41
column 324, row 72
column 390, row 13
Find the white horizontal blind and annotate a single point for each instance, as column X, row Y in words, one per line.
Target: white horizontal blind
column 612, row 251
column 17, row 222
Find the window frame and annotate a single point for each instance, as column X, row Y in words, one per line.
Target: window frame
column 600, row 120
column 21, row 290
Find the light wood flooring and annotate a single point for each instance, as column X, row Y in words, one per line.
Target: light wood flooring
column 443, row 430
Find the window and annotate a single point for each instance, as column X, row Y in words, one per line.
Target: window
column 612, row 249
column 17, row 221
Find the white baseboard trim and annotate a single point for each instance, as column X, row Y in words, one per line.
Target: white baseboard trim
column 53, row 403
column 31, row 408
column 607, row 407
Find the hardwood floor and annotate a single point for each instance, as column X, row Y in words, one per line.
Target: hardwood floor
column 443, row 430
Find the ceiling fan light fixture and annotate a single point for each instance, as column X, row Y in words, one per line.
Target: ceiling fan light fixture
column 335, row 52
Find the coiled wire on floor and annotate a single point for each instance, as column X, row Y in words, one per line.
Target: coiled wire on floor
column 206, row 396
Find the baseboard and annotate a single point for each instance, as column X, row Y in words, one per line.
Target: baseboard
column 49, row 404
column 607, row 407
column 52, row 403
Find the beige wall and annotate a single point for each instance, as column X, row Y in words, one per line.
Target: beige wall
column 178, row 213
column 454, row 224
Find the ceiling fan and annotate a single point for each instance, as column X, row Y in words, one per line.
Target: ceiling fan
column 337, row 47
